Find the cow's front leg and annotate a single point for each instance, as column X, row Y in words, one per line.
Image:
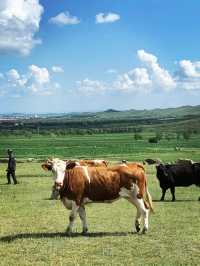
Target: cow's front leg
column 137, row 221
column 72, row 217
column 141, row 211
column 163, row 194
column 82, row 215
column 172, row 189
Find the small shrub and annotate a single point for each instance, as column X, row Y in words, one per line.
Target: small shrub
column 153, row 140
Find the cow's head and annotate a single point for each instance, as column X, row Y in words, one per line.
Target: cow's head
column 161, row 171
column 57, row 167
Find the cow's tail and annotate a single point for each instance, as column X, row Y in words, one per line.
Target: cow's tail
column 149, row 200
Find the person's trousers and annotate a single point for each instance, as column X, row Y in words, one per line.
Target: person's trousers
column 11, row 173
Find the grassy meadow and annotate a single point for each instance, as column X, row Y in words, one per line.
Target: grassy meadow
column 32, row 226
column 113, row 147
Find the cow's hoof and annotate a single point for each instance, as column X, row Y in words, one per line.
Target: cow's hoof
column 68, row 232
column 199, row 199
column 84, row 232
column 144, row 230
column 161, row 199
column 137, row 227
column 173, row 199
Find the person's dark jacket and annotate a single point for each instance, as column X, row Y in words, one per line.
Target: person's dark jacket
column 11, row 164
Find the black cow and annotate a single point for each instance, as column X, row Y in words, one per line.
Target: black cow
column 176, row 175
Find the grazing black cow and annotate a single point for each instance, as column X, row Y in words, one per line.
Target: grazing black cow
column 152, row 161
column 177, row 175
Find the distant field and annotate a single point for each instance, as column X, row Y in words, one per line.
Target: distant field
column 32, row 227
column 113, row 147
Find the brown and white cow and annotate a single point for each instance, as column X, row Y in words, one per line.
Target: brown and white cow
column 95, row 163
column 79, row 185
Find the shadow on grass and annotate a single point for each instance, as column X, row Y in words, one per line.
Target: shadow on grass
column 177, row 200
column 11, row 238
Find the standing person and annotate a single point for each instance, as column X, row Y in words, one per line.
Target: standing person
column 11, row 167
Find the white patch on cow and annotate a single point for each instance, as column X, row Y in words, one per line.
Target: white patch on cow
column 82, row 215
column 87, row 200
column 85, row 169
column 123, row 164
column 126, row 193
column 58, row 168
column 97, row 162
column 131, row 196
column 72, row 217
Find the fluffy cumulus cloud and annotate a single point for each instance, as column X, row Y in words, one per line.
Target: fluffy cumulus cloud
column 36, row 81
column 188, row 75
column 19, row 22
column 106, row 18
column 149, row 77
column 64, row 18
column 160, row 76
column 135, row 80
column 90, row 87
column 190, row 69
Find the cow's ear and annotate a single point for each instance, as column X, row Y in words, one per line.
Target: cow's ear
column 45, row 166
column 70, row 164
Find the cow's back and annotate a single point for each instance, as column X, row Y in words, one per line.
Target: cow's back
column 182, row 175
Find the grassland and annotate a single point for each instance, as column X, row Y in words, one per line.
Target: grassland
column 32, row 227
column 113, row 147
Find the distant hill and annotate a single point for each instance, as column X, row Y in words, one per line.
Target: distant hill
column 108, row 121
column 177, row 112
column 158, row 113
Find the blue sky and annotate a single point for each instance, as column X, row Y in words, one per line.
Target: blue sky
column 91, row 55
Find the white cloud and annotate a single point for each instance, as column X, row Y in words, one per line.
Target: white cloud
column 19, row 22
column 135, row 80
column 188, row 75
column 106, row 18
column 148, row 78
column 57, row 69
column 39, row 75
column 14, row 79
column 64, row 18
column 160, row 77
column 36, row 80
column 89, row 87
column 190, row 69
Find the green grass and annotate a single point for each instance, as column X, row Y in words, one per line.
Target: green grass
column 110, row 146
column 32, row 227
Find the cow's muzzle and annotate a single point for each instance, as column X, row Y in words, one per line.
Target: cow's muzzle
column 58, row 185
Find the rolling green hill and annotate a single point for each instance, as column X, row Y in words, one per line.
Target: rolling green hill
column 109, row 121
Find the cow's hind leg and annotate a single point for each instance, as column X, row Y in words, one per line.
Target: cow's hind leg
column 72, row 217
column 172, row 189
column 141, row 211
column 131, row 196
column 138, row 216
column 163, row 194
column 82, row 215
